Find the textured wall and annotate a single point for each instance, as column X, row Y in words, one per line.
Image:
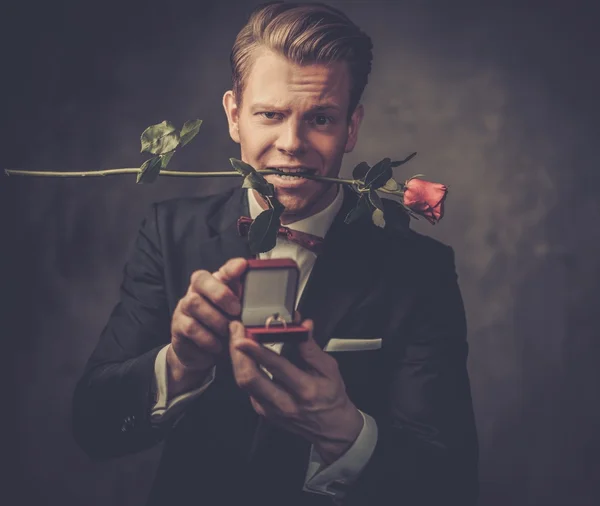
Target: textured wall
column 501, row 103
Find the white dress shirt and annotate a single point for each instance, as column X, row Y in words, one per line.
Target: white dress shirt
column 328, row 480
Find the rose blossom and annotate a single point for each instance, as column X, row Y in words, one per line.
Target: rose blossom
column 425, row 198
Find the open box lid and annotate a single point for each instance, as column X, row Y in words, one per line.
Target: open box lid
column 269, row 286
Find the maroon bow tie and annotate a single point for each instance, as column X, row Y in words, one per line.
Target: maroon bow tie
column 309, row 241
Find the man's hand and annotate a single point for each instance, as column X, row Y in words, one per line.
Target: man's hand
column 200, row 323
column 312, row 403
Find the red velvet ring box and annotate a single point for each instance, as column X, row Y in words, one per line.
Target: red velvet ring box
column 269, row 293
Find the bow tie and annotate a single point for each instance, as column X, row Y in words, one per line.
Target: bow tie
column 309, row 241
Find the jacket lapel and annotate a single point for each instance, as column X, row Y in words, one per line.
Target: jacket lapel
column 226, row 243
column 343, row 273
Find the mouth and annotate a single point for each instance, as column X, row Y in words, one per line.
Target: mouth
column 285, row 173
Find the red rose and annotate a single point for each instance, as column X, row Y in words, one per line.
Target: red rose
column 425, row 198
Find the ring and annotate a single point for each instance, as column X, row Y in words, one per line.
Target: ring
column 275, row 318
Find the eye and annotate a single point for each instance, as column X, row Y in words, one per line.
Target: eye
column 322, row 120
column 269, row 114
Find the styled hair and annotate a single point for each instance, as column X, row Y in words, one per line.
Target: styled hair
column 304, row 33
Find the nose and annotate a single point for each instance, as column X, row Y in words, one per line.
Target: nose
column 291, row 140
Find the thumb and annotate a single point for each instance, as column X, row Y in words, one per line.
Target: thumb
column 231, row 270
column 237, row 332
column 312, row 354
column 309, row 349
column 309, row 325
column 298, row 317
column 230, row 273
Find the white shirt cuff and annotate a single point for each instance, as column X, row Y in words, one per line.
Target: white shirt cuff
column 166, row 409
column 334, row 479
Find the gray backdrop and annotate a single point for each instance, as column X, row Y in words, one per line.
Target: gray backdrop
column 501, row 102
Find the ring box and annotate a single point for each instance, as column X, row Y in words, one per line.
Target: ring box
column 269, row 292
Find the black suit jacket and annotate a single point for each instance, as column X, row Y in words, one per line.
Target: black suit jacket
column 367, row 282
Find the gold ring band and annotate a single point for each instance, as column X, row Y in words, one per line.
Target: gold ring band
column 275, row 318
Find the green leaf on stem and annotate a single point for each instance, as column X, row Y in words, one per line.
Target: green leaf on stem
column 379, row 174
column 360, row 170
column 362, row 209
column 257, row 182
column 149, row 170
column 242, row 167
column 159, row 139
column 375, row 200
column 189, row 131
column 377, row 218
column 377, row 203
column 391, row 185
column 274, row 203
column 400, row 162
column 262, row 235
column 165, row 159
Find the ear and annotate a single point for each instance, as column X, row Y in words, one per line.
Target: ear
column 232, row 113
column 353, row 127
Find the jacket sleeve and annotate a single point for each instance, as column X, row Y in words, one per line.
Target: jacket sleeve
column 167, row 410
column 427, row 450
column 113, row 398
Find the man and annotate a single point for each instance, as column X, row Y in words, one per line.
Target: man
column 388, row 423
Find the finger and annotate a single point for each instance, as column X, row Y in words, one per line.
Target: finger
column 217, row 292
column 312, row 353
column 297, row 317
column 232, row 269
column 248, row 375
column 198, row 307
column 291, row 377
column 190, row 356
column 258, row 407
column 231, row 272
column 273, row 413
column 188, row 331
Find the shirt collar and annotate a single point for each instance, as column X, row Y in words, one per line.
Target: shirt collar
column 317, row 224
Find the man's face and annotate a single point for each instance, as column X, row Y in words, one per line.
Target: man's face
column 294, row 117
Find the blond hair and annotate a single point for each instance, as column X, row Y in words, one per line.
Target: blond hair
column 304, row 33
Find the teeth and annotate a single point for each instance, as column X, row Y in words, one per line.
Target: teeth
column 292, row 171
column 291, row 177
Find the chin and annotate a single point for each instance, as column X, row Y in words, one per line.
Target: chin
column 302, row 200
column 293, row 204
